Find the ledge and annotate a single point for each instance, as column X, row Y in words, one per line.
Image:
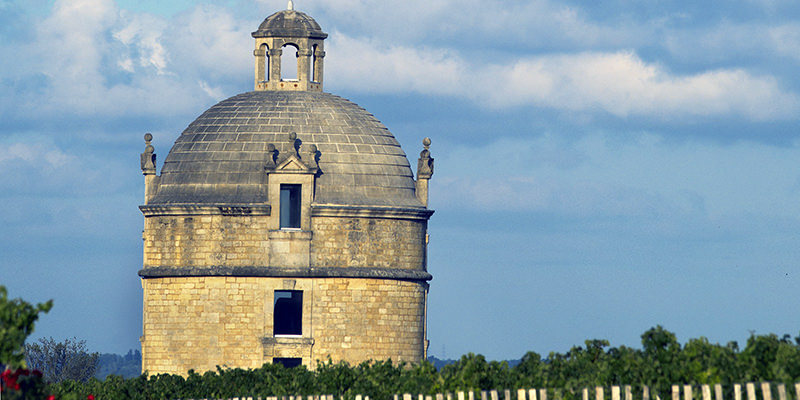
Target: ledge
column 279, row 340
column 322, row 210
column 289, row 234
column 280, row 272
column 152, row 210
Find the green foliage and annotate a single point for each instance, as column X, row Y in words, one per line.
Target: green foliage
column 59, row 361
column 16, row 324
column 661, row 362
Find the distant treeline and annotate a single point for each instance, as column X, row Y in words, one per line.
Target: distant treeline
column 660, row 362
column 127, row 366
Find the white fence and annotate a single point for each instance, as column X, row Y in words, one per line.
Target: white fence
column 752, row 391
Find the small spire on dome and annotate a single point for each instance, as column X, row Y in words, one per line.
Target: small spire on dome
column 290, row 6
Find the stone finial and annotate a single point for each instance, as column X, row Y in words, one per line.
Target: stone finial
column 294, row 142
column 310, row 156
column 290, row 6
column 272, row 154
column 425, row 163
column 148, row 158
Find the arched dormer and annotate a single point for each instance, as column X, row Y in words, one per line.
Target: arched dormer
column 298, row 30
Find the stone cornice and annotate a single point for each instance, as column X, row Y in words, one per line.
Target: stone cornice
column 324, row 210
column 281, row 272
column 151, row 210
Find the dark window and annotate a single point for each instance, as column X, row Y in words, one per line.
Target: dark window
column 288, row 312
column 288, row 362
column 290, row 206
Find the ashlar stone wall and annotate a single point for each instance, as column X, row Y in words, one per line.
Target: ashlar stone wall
column 205, row 240
column 201, row 322
column 368, row 242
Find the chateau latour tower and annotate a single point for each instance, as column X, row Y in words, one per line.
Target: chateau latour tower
column 285, row 226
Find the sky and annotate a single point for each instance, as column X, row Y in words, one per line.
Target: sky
column 601, row 167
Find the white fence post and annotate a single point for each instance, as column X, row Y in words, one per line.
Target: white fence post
column 751, row 391
column 598, row 393
column 781, row 391
column 615, row 393
column 766, row 391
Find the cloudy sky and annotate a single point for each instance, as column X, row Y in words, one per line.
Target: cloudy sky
column 601, row 167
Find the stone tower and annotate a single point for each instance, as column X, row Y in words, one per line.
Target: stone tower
column 286, row 226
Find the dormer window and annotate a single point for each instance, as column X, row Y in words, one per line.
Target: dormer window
column 290, row 210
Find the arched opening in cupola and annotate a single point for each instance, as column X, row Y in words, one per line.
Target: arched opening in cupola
column 264, row 49
column 314, row 63
column 289, row 62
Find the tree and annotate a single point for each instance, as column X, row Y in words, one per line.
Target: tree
column 16, row 324
column 60, row 361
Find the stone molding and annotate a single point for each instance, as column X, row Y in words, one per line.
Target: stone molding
column 323, row 210
column 205, row 209
column 281, row 272
column 299, row 341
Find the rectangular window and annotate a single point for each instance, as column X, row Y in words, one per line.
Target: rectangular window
column 288, row 362
column 288, row 312
column 290, row 206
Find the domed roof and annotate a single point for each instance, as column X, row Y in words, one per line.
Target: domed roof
column 220, row 157
column 290, row 23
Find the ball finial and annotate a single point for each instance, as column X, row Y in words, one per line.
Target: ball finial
column 148, row 137
column 426, row 142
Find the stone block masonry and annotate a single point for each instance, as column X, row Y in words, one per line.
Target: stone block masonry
column 201, row 322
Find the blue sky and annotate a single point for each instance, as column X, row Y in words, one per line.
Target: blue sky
column 601, row 167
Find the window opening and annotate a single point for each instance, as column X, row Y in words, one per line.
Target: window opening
column 314, row 63
column 288, row 312
column 265, row 49
column 289, row 63
column 290, row 206
column 288, row 362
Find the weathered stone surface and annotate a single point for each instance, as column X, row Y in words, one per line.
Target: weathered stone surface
column 201, row 322
column 220, row 157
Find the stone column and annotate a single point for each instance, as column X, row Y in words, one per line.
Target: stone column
column 260, row 53
column 303, row 66
column 275, row 64
column 319, row 56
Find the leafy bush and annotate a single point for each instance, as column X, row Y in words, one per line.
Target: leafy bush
column 661, row 362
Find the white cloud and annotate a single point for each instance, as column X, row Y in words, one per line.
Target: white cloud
column 623, row 85
column 786, row 40
column 142, row 34
column 115, row 62
column 506, row 23
column 618, row 83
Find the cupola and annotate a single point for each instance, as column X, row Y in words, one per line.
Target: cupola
column 289, row 33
